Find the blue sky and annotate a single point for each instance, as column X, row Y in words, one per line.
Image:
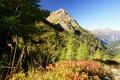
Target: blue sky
column 90, row 14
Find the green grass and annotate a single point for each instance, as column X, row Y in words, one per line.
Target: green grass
column 116, row 57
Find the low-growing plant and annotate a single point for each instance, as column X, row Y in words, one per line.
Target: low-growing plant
column 67, row 70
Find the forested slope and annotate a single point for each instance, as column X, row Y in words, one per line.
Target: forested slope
column 32, row 37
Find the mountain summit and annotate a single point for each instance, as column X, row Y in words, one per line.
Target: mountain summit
column 62, row 18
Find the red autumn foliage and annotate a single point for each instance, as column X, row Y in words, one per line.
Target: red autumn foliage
column 81, row 70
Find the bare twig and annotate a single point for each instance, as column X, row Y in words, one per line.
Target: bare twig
column 13, row 61
column 8, row 67
column 19, row 63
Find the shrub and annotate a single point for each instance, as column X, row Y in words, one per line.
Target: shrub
column 68, row 70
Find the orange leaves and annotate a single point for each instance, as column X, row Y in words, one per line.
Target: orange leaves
column 77, row 70
column 89, row 65
column 76, row 76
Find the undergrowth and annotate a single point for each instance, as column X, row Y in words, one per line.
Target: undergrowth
column 67, row 70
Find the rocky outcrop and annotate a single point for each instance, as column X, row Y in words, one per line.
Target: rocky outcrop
column 62, row 18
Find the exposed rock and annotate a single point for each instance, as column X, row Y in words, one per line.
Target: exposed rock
column 62, row 18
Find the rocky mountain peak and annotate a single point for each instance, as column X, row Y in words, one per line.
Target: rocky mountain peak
column 63, row 19
column 61, row 10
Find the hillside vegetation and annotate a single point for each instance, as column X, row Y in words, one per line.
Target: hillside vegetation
column 115, row 46
column 32, row 38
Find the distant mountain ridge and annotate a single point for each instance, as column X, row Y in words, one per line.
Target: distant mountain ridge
column 107, row 35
